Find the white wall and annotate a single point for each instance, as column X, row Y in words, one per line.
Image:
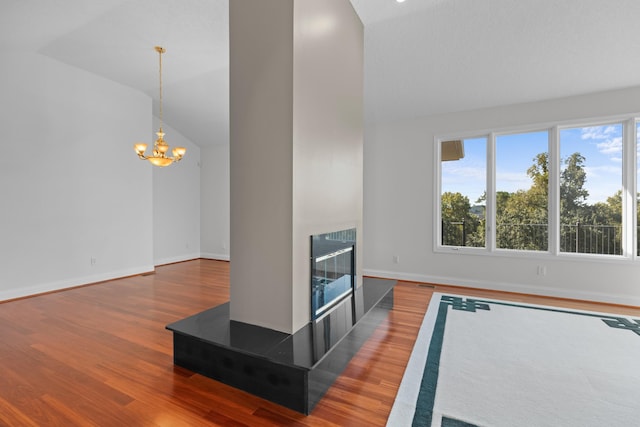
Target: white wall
column 176, row 201
column 399, row 214
column 214, row 199
column 71, row 188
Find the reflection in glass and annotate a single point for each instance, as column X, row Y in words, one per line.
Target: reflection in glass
column 332, row 269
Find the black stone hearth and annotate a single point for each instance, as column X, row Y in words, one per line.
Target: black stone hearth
column 292, row 370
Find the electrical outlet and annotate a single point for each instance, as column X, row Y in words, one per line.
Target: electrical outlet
column 396, row 259
column 93, row 261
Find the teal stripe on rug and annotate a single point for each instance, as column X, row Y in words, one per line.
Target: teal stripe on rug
column 426, row 398
column 450, row 422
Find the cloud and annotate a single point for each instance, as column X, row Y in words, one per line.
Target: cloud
column 512, row 177
column 611, row 146
column 599, row 132
column 512, row 181
column 607, row 139
column 463, row 173
column 602, row 171
column 468, row 180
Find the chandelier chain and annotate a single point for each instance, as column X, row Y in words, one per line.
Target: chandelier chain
column 160, row 72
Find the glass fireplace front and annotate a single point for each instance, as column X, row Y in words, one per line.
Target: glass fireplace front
column 332, row 269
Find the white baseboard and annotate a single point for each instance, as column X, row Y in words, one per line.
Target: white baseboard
column 71, row 283
column 219, row 257
column 179, row 258
column 508, row 287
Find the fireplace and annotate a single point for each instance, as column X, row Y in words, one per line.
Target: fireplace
column 293, row 370
column 332, row 270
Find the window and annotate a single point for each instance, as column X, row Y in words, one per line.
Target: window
column 591, row 189
column 556, row 191
column 463, row 191
column 522, row 191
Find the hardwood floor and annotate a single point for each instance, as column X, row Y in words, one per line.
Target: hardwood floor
column 100, row 356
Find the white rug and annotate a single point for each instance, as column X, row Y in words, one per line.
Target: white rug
column 492, row 363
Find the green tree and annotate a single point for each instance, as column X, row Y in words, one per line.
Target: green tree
column 573, row 195
column 521, row 217
column 502, row 199
column 586, row 228
column 539, row 174
column 615, row 207
column 477, row 237
column 522, row 222
column 459, row 225
column 600, row 227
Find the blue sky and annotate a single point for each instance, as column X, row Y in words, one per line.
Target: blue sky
column 600, row 145
column 469, row 174
column 602, row 148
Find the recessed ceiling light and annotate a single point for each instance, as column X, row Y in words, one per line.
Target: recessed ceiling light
column 400, row 1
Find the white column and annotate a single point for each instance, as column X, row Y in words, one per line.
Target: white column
column 295, row 150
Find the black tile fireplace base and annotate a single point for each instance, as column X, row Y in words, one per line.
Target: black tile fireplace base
column 293, row 370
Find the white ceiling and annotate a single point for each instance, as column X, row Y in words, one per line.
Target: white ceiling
column 422, row 57
column 457, row 55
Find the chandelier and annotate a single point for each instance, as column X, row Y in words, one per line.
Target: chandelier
column 160, row 147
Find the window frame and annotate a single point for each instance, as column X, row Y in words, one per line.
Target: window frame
column 630, row 146
column 437, row 226
column 495, row 135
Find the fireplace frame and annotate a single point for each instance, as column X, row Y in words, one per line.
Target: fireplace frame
column 332, row 270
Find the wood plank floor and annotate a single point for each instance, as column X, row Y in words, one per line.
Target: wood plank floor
column 100, row 356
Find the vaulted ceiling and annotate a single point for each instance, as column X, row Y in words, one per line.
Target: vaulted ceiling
column 422, row 57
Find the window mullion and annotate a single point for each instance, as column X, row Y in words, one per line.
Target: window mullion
column 554, row 191
column 437, row 191
column 491, row 193
column 629, row 190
